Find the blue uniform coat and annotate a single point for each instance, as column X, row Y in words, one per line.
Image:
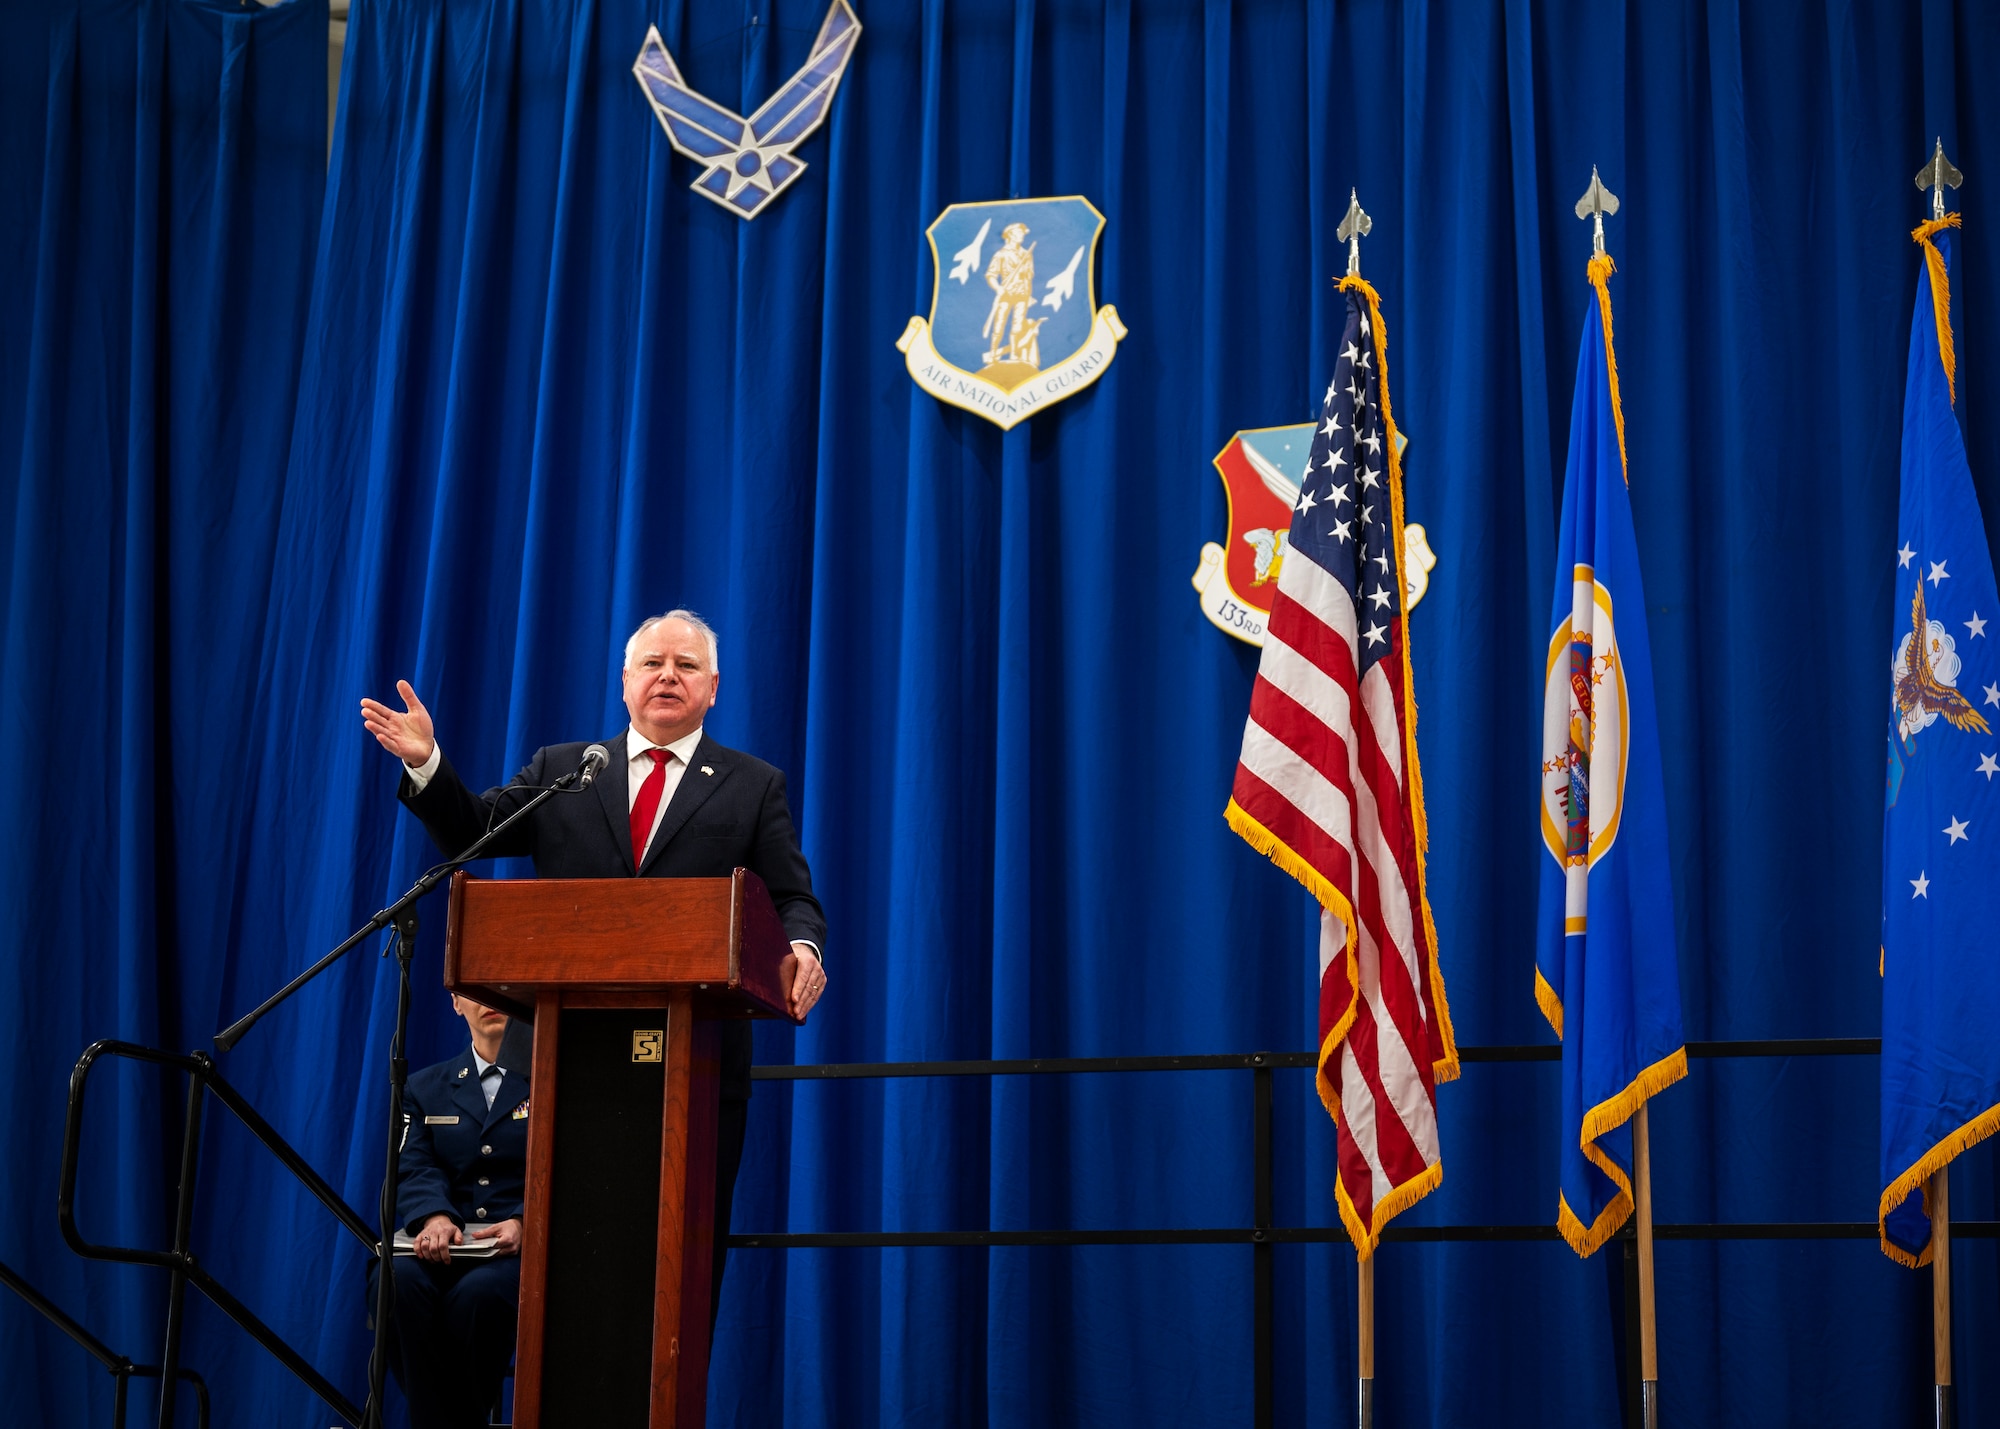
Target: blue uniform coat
column 458, row 1157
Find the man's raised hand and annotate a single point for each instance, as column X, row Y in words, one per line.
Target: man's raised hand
column 407, row 733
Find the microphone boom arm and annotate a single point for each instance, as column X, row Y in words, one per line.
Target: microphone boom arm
column 232, row 1034
column 402, row 916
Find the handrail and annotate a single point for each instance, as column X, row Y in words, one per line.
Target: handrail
column 181, row 1265
column 123, row 1371
column 179, row 1262
column 1262, row 1235
column 1253, row 1061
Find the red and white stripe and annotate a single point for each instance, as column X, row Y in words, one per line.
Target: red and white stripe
column 1322, row 780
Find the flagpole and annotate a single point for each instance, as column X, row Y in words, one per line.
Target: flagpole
column 1941, row 1291
column 1649, row 1350
column 1937, row 176
column 1365, row 1315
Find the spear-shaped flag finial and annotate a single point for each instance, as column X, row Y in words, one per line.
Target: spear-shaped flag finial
column 1353, row 228
column 1936, row 176
column 1597, row 201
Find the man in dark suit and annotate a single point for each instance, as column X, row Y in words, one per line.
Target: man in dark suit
column 671, row 804
column 461, row 1177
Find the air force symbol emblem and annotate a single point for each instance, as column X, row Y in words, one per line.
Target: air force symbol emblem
column 1008, row 332
column 1261, row 470
column 749, row 161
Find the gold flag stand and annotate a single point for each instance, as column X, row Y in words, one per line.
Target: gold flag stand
column 1941, row 1292
column 1649, row 1346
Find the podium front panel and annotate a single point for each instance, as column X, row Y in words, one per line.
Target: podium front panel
column 603, row 1228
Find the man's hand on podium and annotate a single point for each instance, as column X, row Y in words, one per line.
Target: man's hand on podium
column 801, row 972
column 408, row 734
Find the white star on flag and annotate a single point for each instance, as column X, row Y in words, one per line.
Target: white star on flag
column 1955, row 830
column 1976, row 626
column 1938, row 573
column 1903, row 556
column 1989, row 766
column 1922, row 884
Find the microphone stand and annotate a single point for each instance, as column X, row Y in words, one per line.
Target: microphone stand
column 402, row 917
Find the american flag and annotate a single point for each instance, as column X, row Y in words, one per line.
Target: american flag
column 1328, row 788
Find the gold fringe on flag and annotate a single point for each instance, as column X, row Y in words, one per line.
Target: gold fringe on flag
column 1613, row 1112
column 1917, row 1178
column 1600, row 271
column 1940, row 295
column 1445, row 1068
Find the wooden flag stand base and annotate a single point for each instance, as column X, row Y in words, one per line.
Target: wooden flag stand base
column 1941, row 1292
column 1642, row 1195
column 1365, row 1315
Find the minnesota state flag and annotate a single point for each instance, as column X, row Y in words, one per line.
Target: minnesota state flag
column 1606, row 974
column 1940, row 821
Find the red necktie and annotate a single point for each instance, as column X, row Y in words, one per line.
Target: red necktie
column 647, row 804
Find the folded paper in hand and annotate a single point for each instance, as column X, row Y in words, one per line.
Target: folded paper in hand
column 467, row 1249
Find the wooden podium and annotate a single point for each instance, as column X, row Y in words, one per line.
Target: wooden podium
column 626, row 978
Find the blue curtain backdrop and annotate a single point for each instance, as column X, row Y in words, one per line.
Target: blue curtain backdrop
column 161, row 171
column 544, row 390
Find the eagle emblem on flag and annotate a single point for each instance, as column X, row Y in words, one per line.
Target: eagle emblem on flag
column 748, row 162
column 1925, row 673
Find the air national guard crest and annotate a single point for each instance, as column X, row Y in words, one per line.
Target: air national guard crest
column 748, row 161
column 1261, row 470
column 1014, row 324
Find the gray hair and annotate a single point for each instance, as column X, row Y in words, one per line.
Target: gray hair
column 714, row 657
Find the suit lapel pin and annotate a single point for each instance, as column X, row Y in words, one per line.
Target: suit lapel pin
column 465, row 1071
column 706, row 770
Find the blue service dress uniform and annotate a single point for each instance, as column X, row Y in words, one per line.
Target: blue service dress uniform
column 454, row 1330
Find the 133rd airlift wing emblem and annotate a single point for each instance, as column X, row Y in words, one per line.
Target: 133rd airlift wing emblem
column 1261, row 470
column 748, row 161
column 1014, row 324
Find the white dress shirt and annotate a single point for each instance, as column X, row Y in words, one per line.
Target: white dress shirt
column 490, row 1090
column 639, row 768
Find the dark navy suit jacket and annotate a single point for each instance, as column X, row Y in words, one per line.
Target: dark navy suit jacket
column 729, row 812
column 459, row 1157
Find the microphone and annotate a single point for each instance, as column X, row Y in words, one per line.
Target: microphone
column 594, row 760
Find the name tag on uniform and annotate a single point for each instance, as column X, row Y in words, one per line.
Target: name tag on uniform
column 521, row 1112
column 440, row 1121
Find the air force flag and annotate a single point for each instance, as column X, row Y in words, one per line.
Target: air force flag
column 1606, row 974
column 1940, row 821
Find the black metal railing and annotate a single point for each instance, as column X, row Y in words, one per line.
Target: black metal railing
column 121, row 1368
column 179, row 1261
column 1261, row 1235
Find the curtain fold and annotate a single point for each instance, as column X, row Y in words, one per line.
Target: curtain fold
column 544, row 390
column 160, row 178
